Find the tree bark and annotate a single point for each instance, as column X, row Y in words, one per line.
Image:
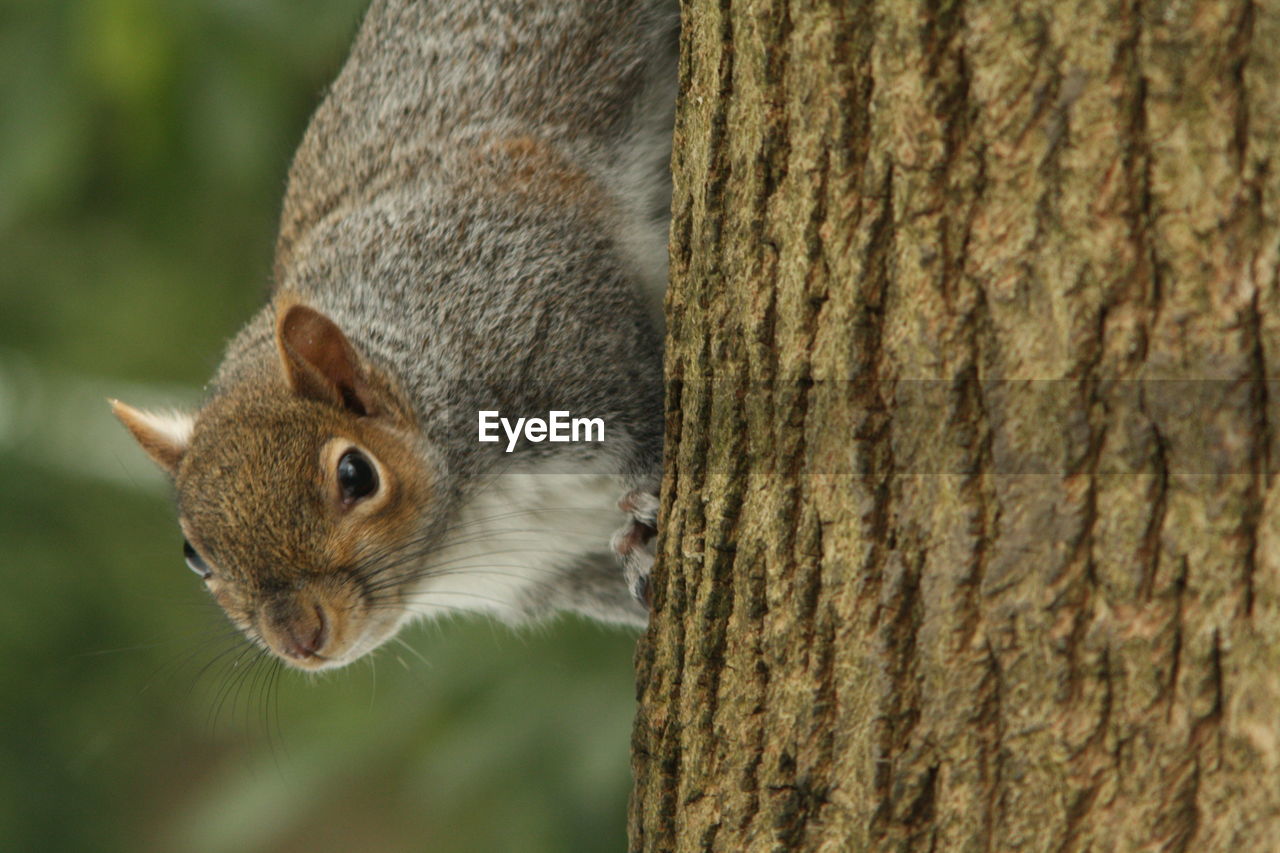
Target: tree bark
column 969, row 529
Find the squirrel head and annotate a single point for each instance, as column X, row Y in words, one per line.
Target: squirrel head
column 300, row 494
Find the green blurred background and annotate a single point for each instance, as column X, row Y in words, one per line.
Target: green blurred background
column 143, row 149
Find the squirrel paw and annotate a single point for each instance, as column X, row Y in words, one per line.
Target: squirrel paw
column 633, row 542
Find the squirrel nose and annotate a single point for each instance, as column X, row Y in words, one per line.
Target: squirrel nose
column 305, row 634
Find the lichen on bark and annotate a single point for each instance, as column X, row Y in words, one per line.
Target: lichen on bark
column 969, row 527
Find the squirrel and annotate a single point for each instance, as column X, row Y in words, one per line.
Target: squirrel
column 475, row 221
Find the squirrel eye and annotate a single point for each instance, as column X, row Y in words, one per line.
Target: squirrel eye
column 356, row 477
column 194, row 561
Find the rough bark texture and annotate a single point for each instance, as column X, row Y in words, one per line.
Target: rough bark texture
column 969, row 527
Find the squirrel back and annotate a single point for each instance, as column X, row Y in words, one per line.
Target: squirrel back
column 475, row 220
column 574, row 96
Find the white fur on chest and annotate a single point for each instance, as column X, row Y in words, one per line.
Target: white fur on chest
column 520, row 534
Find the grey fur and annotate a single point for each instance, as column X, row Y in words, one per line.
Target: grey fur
column 480, row 203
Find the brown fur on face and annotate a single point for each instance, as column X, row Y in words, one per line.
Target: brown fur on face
column 292, row 563
column 257, row 499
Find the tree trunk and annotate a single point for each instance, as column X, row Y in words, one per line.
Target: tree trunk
column 969, row 533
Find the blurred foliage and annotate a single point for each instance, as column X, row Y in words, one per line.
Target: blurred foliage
column 143, row 149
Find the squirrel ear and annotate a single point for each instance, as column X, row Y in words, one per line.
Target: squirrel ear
column 319, row 362
column 165, row 437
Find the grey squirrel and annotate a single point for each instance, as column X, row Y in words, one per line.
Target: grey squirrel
column 476, row 220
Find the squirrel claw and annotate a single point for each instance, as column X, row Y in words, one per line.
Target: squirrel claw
column 633, row 542
column 642, row 506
